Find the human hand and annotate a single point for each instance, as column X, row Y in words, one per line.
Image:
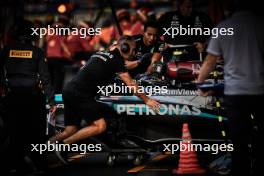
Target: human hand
column 153, row 104
column 52, row 110
column 131, row 64
column 199, row 46
column 205, row 93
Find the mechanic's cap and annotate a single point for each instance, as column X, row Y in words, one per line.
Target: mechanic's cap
column 123, row 14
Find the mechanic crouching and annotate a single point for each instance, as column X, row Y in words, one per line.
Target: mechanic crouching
column 79, row 94
column 26, row 80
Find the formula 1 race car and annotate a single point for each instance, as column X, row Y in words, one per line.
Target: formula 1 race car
column 137, row 129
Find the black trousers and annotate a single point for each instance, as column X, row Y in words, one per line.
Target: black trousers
column 57, row 73
column 25, row 116
column 246, row 133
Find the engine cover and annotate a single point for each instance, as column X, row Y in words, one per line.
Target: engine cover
column 183, row 70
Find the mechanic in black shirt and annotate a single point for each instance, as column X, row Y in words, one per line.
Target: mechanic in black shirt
column 25, row 78
column 148, row 50
column 79, row 94
column 186, row 17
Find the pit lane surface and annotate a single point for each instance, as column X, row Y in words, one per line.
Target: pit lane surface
column 95, row 165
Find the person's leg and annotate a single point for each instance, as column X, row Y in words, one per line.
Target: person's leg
column 51, row 70
column 240, row 133
column 21, row 131
column 259, row 124
column 71, row 117
column 95, row 128
column 59, row 73
column 68, row 131
column 11, row 108
column 37, row 115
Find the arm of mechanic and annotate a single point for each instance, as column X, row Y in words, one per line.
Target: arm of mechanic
column 45, row 80
column 130, row 82
column 131, row 64
column 156, row 57
column 200, row 46
column 207, row 67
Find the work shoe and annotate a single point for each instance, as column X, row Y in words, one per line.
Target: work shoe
column 62, row 156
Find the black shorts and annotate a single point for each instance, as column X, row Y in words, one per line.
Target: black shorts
column 78, row 107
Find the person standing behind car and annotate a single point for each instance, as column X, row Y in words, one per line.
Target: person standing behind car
column 26, row 77
column 58, row 56
column 143, row 15
column 79, row 46
column 185, row 17
column 148, row 50
column 243, row 55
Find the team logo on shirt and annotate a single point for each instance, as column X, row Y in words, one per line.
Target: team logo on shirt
column 161, row 47
column 103, row 55
column 106, row 54
column 197, row 23
column 20, row 54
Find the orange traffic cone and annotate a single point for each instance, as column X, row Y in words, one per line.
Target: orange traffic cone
column 188, row 163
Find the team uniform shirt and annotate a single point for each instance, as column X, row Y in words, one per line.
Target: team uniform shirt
column 79, row 94
column 25, row 67
column 242, row 53
column 142, row 49
column 175, row 20
column 100, row 70
column 144, row 54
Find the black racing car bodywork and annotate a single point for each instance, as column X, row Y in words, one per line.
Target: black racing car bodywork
column 134, row 118
column 147, row 129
